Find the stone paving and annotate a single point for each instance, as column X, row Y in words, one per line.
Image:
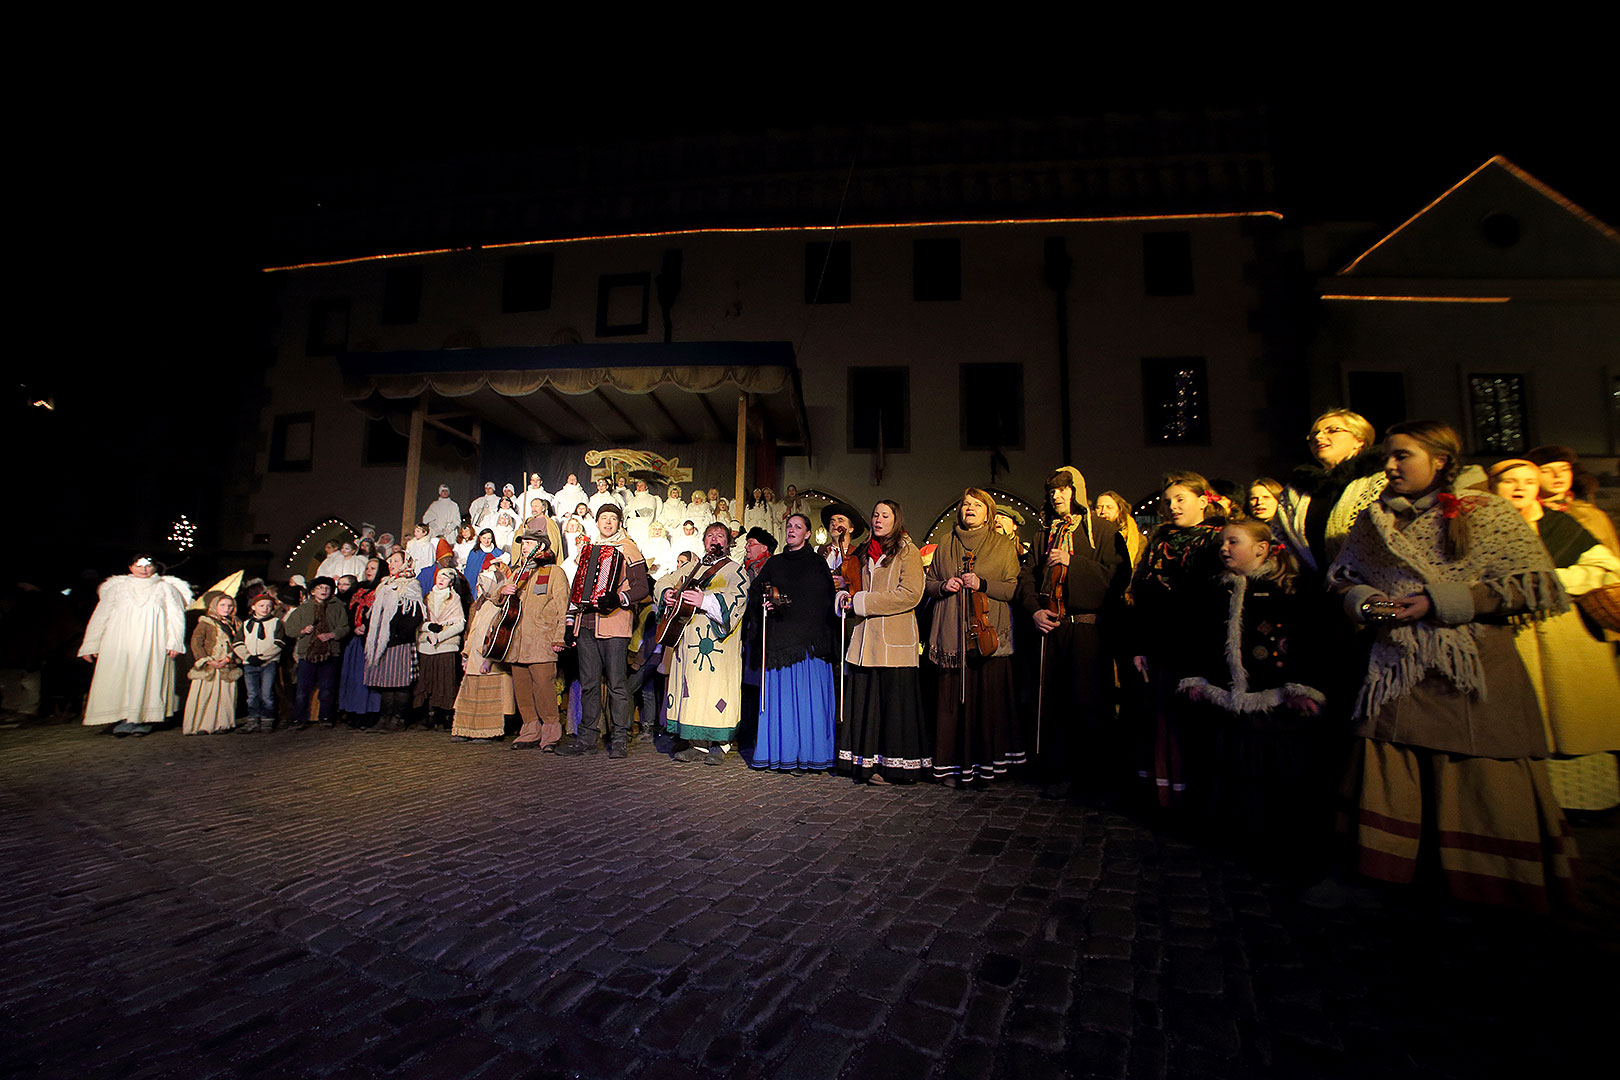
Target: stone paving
column 335, row 904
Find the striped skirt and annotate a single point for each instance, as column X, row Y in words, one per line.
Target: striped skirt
column 1491, row 825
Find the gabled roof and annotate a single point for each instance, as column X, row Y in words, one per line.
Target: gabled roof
column 1496, row 222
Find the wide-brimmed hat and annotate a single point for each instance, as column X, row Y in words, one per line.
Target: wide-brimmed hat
column 857, row 523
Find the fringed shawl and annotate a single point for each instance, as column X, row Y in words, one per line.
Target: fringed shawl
column 1504, row 555
column 393, row 596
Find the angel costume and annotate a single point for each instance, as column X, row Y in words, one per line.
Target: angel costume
column 136, row 624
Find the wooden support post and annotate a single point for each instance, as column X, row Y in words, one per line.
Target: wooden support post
column 413, row 470
column 737, row 504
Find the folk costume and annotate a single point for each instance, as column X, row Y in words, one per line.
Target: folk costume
column 211, row 701
column 532, row 656
column 1451, row 734
column 883, row 736
column 137, row 623
column 318, row 660
column 1177, row 565
column 260, row 652
column 390, row 648
column 798, row 699
column 1078, row 740
column 1573, row 671
column 1254, row 659
column 704, row 669
column 354, row 696
column 485, row 698
column 476, row 558
column 1319, row 505
column 438, row 651
column 610, row 579
column 976, row 734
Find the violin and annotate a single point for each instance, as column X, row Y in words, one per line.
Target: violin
column 981, row 634
column 1053, row 596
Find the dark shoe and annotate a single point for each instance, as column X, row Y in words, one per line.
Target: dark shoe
column 140, row 729
column 575, row 747
column 122, row 728
column 686, row 756
column 532, row 745
column 618, row 751
column 715, row 756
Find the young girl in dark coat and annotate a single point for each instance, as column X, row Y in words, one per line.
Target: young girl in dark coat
column 1256, row 699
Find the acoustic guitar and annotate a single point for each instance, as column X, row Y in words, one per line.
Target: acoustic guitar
column 673, row 623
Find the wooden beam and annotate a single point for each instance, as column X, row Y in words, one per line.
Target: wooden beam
column 742, row 451
column 680, row 432
column 630, row 425
column 413, row 468
column 575, row 413
column 714, row 415
column 433, row 422
column 454, row 414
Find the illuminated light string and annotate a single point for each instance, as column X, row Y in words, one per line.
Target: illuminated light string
column 183, row 534
column 296, row 548
column 1422, row 299
column 722, row 230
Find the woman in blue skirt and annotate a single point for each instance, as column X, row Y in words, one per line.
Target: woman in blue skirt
column 790, row 599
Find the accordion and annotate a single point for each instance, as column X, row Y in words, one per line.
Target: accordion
column 598, row 577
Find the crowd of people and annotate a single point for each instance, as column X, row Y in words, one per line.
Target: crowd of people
column 1386, row 638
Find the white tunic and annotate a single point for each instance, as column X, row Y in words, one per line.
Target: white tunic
column 482, row 505
column 672, row 512
column 136, row 624
column 442, row 517
column 568, row 497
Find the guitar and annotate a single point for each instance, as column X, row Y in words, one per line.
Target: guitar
column 673, row 623
column 502, row 633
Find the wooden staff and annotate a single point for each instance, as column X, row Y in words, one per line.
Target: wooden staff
column 1040, row 695
column 843, row 662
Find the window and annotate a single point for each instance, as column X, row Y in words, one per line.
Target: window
column 826, row 272
column 292, row 442
column 383, row 445
column 879, row 400
column 328, row 327
column 527, row 284
column 992, row 406
column 402, row 296
column 621, row 304
column 1496, row 403
column 936, row 269
column 1175, row 401
column 1167, row 264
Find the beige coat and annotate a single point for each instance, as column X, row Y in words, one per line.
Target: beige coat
column 885, row 632
column 540, row 625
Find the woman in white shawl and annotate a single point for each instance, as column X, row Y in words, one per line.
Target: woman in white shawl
column 391, row 661
column 1451, row 738
column 673, row 510
column 655, row 549
column 136, row 631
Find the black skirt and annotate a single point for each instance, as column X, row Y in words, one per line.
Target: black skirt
column 882, row 732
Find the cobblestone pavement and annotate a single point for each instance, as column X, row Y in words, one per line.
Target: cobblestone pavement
column 330, row 903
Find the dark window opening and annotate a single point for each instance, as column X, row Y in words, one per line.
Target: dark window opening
column 1175, row 401
column 1167, row 264
column 527, row 283
column 879, row 401
column 936, row 269
column 826, row 272
column 992, row 406
column 328, row 327
column 402, row 296
column 1380, row 396
column 292, row 443
column 621, row 304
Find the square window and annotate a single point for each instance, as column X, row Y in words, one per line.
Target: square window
column 826, row 272
column 621, row 304
column 328, row 327
column 1175, row 401
column 1167, row 264
column 292, row 442
column 992, row 409
column 402, row 296
column 1496, row 404
column 936, row 269
column 526, row 285
column 879, row 401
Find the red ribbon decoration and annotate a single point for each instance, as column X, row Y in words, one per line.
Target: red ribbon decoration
column 1450, row 505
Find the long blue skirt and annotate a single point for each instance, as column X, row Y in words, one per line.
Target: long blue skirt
column 354, row 696
column 796, row 709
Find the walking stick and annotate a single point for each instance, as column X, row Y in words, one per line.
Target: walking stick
column 1040, row 695
column 764, row 619
column 962, row 606
column 843, row 662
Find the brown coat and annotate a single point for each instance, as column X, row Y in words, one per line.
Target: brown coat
column 540, row 623
column 885, row 635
